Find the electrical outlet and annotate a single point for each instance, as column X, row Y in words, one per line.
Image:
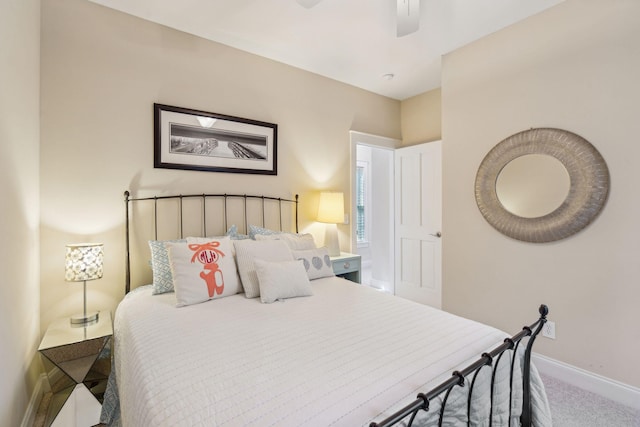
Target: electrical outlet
column 549, row 330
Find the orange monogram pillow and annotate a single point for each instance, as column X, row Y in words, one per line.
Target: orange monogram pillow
column 202, row 269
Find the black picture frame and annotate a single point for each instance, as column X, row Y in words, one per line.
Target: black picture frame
column 203, row 141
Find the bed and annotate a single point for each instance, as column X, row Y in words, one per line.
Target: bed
column 329, row 353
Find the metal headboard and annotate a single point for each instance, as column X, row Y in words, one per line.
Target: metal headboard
column 202, row 215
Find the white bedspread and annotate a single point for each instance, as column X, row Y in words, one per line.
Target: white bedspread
column 343, row 357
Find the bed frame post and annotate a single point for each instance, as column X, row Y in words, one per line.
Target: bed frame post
column 204, row 214
column 127, row 278
column 525, row 418
column 297, row 213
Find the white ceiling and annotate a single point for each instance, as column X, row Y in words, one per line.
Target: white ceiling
column 352, row 41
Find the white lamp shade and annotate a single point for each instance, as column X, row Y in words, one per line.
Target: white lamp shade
column 83, row 261
column 331, row 207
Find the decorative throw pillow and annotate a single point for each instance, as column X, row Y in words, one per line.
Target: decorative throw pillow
column 202, row 271
column 254, row 230
column 232, row 232
column 247, row 251
column 316, row 262
column 200, row 240
column 280, row 280
column 296, row 242
column 160, row 267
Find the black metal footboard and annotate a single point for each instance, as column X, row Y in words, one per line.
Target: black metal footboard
column 458, row 379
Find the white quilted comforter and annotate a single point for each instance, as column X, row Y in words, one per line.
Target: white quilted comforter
column 343, row 357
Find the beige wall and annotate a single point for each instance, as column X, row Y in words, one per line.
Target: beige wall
column 421, row 118
column 19, row 146
column 573, row 67
column 101, row 73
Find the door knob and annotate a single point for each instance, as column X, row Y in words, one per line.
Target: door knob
column 437, row 234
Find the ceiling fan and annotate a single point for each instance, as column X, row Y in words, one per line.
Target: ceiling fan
column 408, row 15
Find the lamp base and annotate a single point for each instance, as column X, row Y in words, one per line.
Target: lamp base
column 331, row 239
column 79, row 320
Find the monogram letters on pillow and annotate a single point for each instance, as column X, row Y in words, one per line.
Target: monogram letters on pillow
column 202, row 269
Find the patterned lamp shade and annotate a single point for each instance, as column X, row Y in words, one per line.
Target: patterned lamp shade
column 83, row 262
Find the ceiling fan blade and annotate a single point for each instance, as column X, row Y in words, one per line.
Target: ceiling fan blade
column 408, row 17
column 308, row 3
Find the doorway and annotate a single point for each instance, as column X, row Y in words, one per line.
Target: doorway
column 373, row 207
column 373, row 217
column 396, row 217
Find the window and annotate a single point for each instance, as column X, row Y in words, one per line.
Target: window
column 362, row 220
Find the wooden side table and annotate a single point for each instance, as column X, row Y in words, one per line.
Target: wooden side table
column 348, row 266
column 78, row 362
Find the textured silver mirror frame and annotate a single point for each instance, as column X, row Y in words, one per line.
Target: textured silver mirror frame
column 588, row 190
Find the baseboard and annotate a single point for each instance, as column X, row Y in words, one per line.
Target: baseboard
column 619, row 392
column 34, row 403
column 380, row 284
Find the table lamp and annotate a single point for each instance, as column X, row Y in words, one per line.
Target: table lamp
column 83, row 262
column 331, row 211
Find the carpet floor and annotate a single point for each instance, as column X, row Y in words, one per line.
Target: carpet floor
column 574, row 407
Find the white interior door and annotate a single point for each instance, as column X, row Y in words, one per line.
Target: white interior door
column 418, row 222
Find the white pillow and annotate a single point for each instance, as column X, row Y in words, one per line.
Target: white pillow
column 280, row 280
column 202, row 271
column 248, row 250
column 296, row 242
column 316, row 262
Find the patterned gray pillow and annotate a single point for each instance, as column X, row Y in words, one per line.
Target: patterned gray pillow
column 316, row 262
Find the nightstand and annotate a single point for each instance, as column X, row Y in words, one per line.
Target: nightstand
column 77, row 361
column 347, row 265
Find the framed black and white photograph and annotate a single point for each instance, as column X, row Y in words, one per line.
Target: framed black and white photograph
column 199, row 140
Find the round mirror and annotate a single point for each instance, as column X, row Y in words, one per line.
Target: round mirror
column 533, row 185
column 542, row 185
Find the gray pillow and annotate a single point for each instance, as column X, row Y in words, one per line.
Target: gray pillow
column 316, row 262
